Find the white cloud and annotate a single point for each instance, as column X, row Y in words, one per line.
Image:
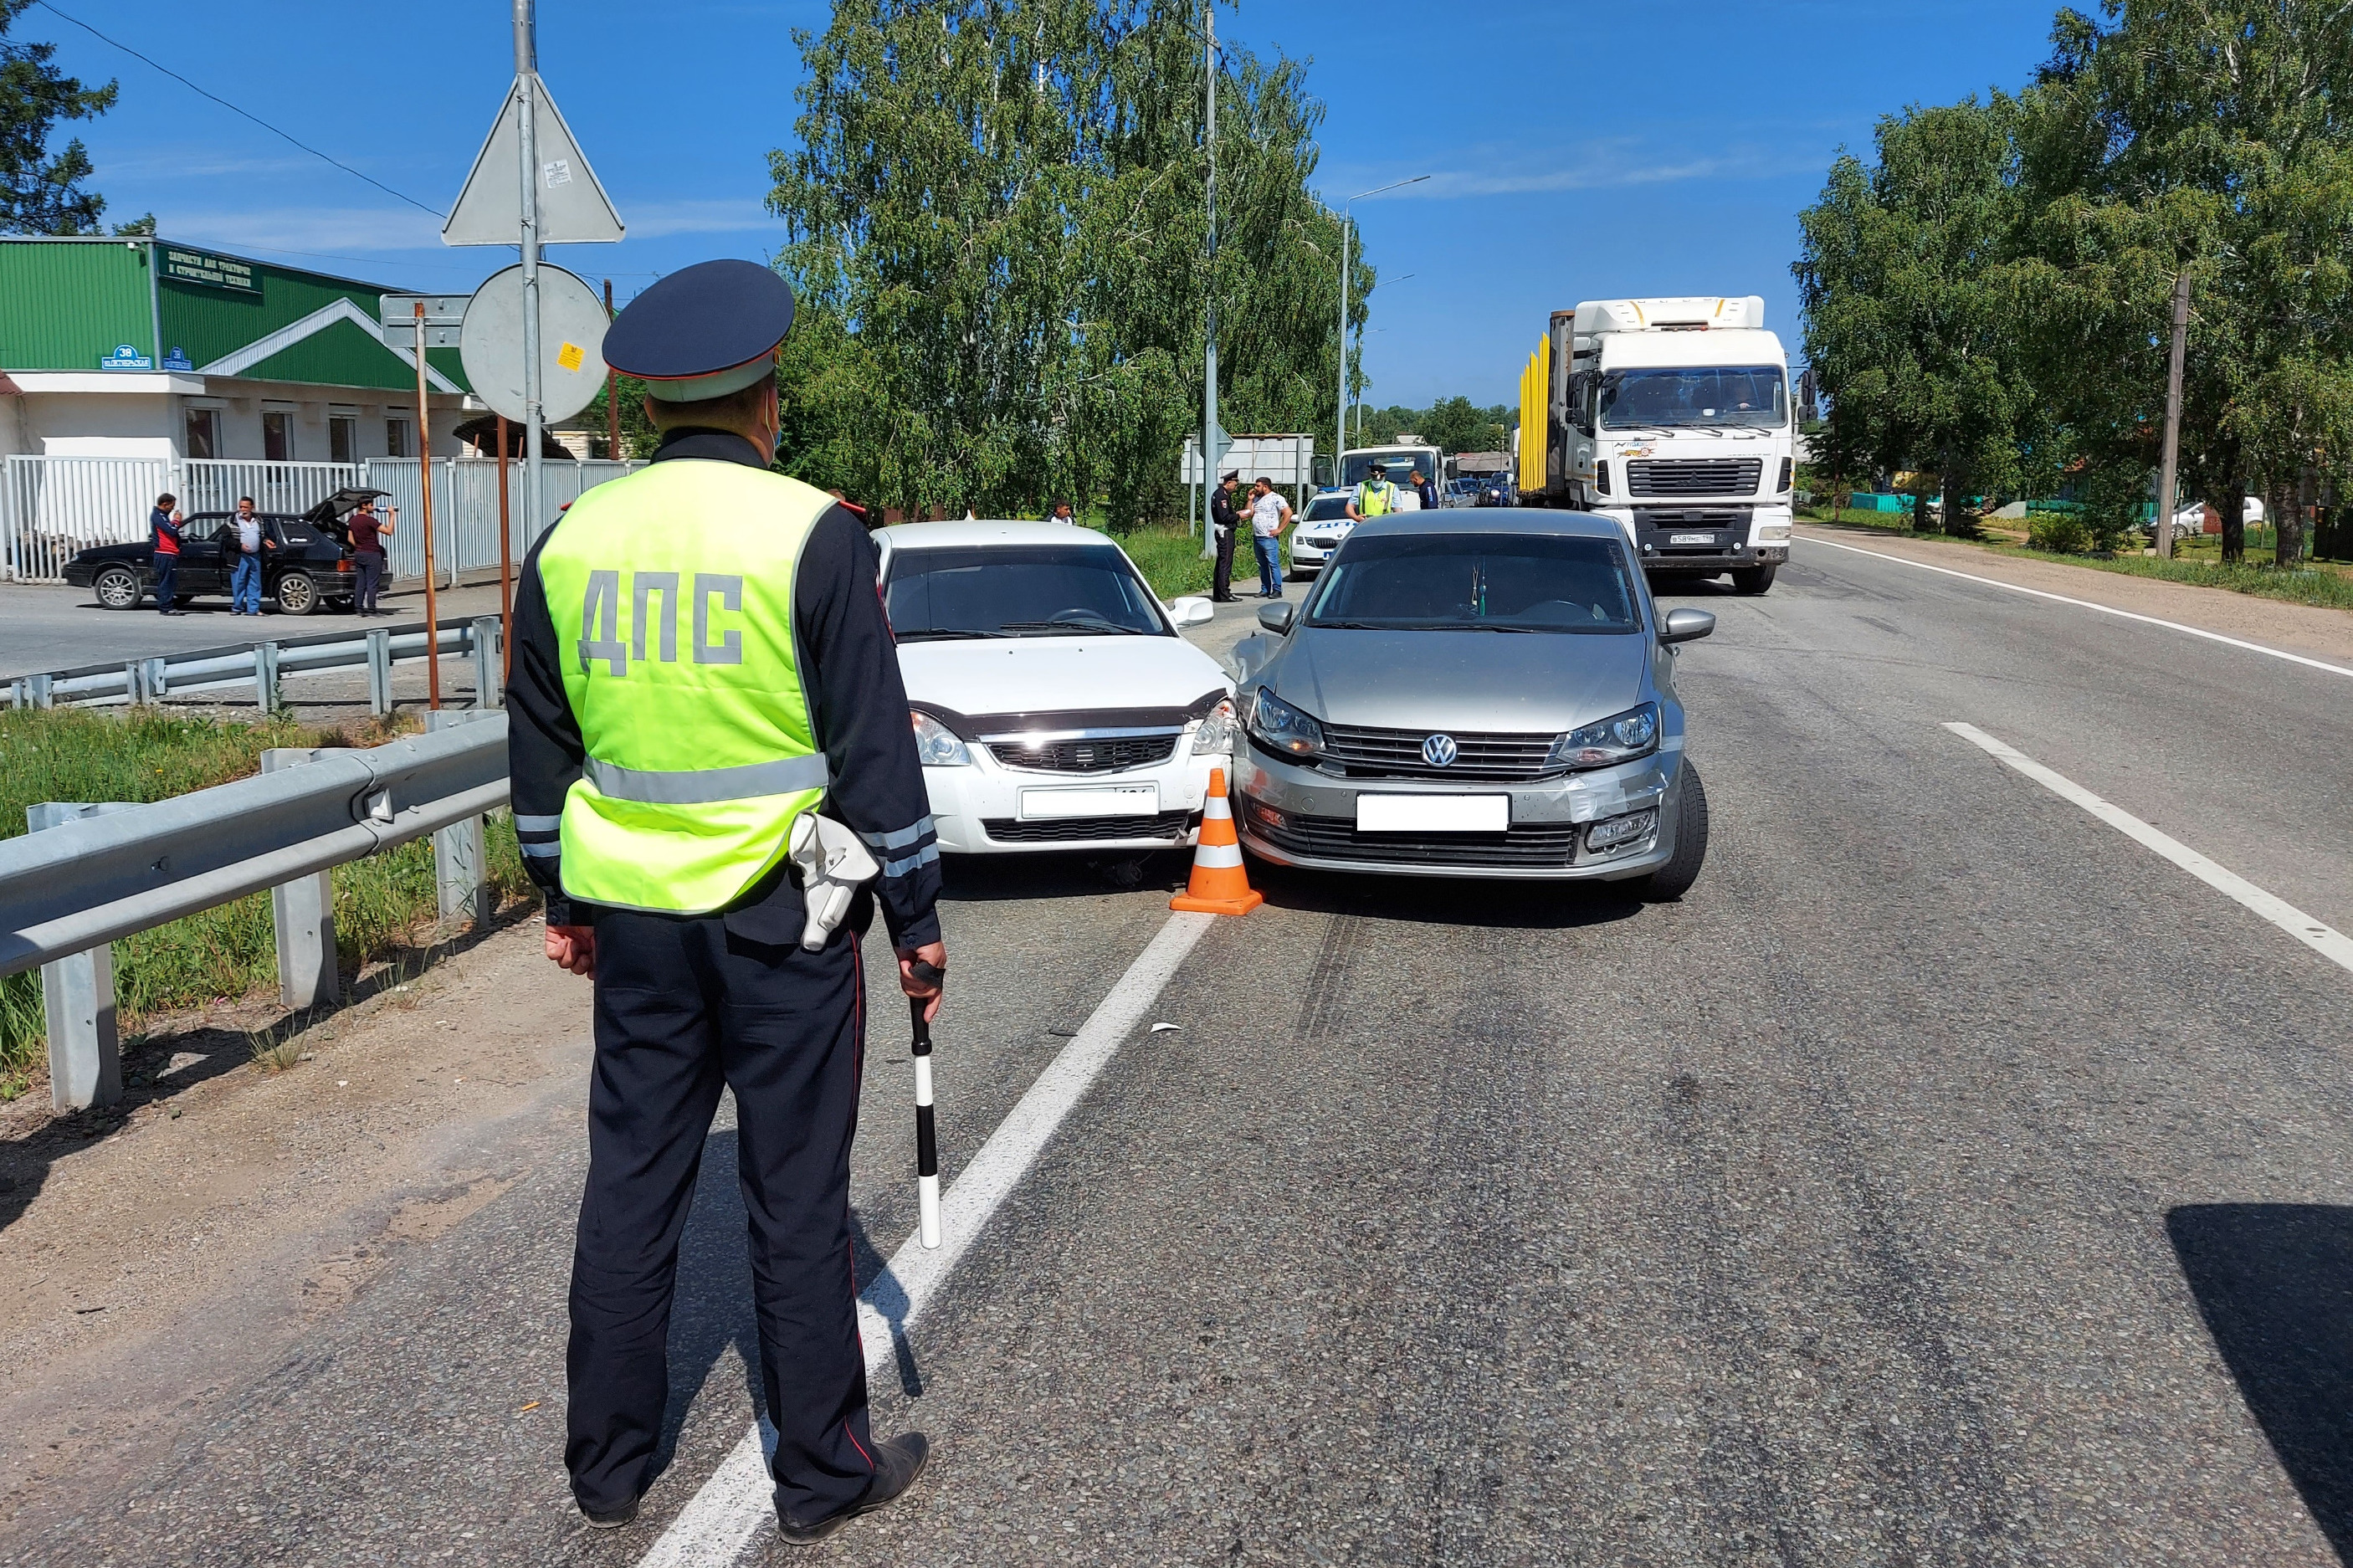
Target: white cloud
column 733, row 214
column 310, row 228
column 1603, row 165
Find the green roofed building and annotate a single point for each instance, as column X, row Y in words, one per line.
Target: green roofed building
column 145, row 348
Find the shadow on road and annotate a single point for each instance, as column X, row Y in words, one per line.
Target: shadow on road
column 712, row 1312
column 2274, row 1282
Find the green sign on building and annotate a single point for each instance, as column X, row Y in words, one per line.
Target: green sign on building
column 212, row 271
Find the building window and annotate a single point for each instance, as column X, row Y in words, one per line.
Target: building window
column 395, row 438
column 342, row 438
column 277, row 435
column 204, row 433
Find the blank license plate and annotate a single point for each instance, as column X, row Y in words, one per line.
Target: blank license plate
column 1690, row 539
column 1054, row 805
column 1433, row 813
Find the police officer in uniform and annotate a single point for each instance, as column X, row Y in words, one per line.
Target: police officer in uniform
column 1222, row 517
column 701, row 657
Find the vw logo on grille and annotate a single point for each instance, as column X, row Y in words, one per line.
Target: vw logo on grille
column 1439, row 750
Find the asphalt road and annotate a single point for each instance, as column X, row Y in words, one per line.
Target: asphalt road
column 44, row 626
column 1946, row 1178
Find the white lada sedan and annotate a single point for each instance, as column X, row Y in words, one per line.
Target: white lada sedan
column 1055, row 706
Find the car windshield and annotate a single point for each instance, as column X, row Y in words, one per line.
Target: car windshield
column 1400, row 464
column 1734, row 397
column 1324, row 508
column 1477, row 582
column 1018, row 591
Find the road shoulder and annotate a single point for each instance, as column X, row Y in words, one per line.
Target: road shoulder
column 2298, row 629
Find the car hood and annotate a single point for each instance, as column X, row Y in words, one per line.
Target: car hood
column 1058, row 675
column 1490, row 681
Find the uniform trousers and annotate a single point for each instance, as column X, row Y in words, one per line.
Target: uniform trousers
column 682, row 1004
column 1221, row 581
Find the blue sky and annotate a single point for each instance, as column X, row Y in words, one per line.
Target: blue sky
column 1579, row 150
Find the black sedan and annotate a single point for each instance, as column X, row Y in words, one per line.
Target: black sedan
column 307, row 563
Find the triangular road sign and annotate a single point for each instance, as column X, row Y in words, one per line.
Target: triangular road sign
column 572, row 207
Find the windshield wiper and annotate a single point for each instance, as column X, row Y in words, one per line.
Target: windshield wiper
column 1074, row 628
column 1480, row 627
column 946, row 634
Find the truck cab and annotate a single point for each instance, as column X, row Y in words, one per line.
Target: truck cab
column 1674, row 417
column 1357, row 462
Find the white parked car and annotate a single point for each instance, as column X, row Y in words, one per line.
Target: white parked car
column 1055, row 706
column 1318, row 532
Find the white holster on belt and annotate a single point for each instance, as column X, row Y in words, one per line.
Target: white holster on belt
column 833, row 862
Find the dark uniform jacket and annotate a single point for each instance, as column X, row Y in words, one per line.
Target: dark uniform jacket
column 849, row 665
column 1222, row 508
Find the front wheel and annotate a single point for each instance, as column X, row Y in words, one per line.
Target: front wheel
column 1674, row 879
column 1754, row 579
column 117, row 588
column 297, row 594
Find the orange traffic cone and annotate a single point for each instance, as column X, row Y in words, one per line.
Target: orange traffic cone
column 1219, row 886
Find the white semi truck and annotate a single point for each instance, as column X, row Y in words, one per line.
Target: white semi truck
column 1673, row 416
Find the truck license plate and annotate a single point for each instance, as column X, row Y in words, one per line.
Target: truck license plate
column 1433, row 813
column 1690, row 539
column 1054, row 805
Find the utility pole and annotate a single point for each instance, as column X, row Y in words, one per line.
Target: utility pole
column 526, row 53
column 612, row 393
column 425, row 494
column 2168, row 474
column 1209, row 454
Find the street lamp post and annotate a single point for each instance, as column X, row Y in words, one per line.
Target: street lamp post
column 1209, row 336
column 1340, row 405
column 1390, row 282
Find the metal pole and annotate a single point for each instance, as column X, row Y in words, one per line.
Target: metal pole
column 425, row 492
column 2169, row 472
column 506, row 571
column 1340, row 403
column 612, row 393
column 1210, row 341
column 526, row 49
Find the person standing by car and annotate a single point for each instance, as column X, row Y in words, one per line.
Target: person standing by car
column 1426, row 489
column 367, row 552
column 245, row 576
column 164, row 532
column 1270, row 516
column 1222, row 521
column 1375, row 498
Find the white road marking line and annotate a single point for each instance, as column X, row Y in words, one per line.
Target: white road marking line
column 2322, row 938
column 734, row 1505
column 2091, row 604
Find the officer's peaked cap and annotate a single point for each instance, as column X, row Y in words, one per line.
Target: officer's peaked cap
column 708, row 330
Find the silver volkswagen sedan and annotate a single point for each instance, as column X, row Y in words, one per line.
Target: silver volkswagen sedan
column 1473, row 693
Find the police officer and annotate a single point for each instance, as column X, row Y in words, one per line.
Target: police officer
column 1222, row 518
column 1375, row 498
column 701, row 658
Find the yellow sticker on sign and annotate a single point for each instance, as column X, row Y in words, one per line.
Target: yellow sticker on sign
column 570, row 356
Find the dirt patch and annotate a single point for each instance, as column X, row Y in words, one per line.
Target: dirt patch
column 153, row 1258
column 2297, row 628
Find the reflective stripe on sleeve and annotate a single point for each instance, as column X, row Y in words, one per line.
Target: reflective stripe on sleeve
column 526, row 823
column 706, row 786
column 923, row 857
column 540, row 851
column 901, row 837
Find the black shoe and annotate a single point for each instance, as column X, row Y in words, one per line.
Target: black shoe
column 897, row 1463
column 626, row 1514
column 174, row 612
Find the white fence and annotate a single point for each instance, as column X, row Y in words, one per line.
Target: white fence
column 51, row 508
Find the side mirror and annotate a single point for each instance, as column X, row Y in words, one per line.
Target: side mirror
column 1320, row 468
column 1276, row 617
column 1686, row 625
column 1191, row 610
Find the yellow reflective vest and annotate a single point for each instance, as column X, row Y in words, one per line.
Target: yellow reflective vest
column 671, row 596
column 1375, row 499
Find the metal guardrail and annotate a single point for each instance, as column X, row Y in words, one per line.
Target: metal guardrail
column 265, row 664
column 89, row 875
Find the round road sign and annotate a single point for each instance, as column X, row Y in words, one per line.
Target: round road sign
column 572, row 324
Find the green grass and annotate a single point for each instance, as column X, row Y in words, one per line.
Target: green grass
column 383, row 905
column 1170, row 559
column 2200, row 567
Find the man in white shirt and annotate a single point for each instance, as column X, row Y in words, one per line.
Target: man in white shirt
column 244, row 557
column 1270, row 516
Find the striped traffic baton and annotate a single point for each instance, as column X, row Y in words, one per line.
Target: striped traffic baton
column 927, row 1140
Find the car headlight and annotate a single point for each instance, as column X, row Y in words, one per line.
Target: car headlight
column 1217, row 730
column 1280, row 727
column 1618, row 739
column 938, row 744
